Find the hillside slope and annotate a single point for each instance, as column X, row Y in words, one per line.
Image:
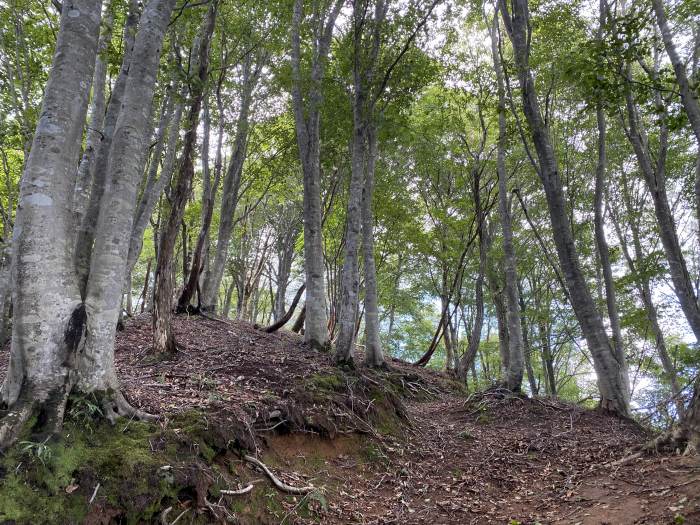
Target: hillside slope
column 405, row 446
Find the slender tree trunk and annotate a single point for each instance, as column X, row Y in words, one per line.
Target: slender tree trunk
column 86, row 169
column 374, row 353
column 601, row 241
column 163, row 337
column 208, row 199
column 514, row 371
column 231, row 188
column 88, row 212
column 609, row 374
column 643, row 287
column 469, row 356
column 655, row 177
column 350, row 275
column 166, row 138
column 307, row 124
column 689, row 96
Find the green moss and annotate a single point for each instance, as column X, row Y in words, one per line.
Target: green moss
column 57, row 487
column 329, row 382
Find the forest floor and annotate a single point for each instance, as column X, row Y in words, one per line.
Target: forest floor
column 404, row 446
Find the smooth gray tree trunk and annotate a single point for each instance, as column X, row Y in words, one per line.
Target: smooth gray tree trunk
column 514, row 372
column 231, row 188
column 306, row 102
column 49, row 315
column 608, row 372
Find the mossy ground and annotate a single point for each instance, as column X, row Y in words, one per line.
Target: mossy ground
column 134, row 469
column 131, row 471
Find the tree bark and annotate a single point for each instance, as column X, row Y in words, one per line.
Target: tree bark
column 168, row 129
column 231, row 188
column 374, row 354
column 163, row 336
column 514, row 371
column 307, row 116
column 609, row 374
column 45, row 292
column 689, row 96
column 208, row 198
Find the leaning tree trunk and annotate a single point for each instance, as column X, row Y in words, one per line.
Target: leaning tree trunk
column 654, row 175
column 163, row 336
column 49, row 315
column 514, row 371
column 608, row 372
column 689, row 96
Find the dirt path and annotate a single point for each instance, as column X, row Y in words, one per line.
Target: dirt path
column 509, row 461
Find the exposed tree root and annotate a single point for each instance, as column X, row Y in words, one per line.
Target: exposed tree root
column 280, row 485
column 240, row 492
column 12, row 424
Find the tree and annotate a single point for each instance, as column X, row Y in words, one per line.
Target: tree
column 307, row 96
column 61, row 340
column 608, row 369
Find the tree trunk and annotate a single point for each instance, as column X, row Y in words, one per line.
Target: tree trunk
column 208, row 198
column 52, row 323
column 231, row 188
column 514, row 371
column 610, row 377
column 655, row 177
column 167, row 135
column 86, row 168
column 89, row 210
column 350, row 275
column 163, row 337
column 307, row 123
column 49, row 315
column 689, row 96
column 374, row 354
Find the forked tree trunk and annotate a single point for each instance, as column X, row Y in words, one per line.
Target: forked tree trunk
column 49, row 315
column 608, row 372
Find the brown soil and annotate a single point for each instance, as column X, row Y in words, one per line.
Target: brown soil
column 398, row 447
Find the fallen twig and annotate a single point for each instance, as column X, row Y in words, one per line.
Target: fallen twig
column 275, row 480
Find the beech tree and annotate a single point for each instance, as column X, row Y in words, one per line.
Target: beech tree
column 63, row 338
